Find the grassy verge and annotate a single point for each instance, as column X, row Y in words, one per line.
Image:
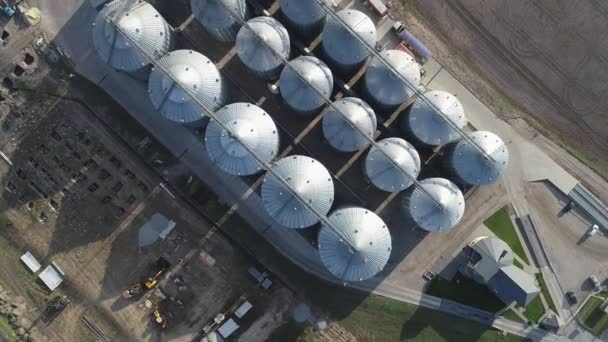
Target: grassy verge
column 510, row 314
column 518, row 264
column 545, row 291
column 464, row 290
column 535, row 310
column 603, row 294
column 501, row 225
column 593, row 317
column 6, row 331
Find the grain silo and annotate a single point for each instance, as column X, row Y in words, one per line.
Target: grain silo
column 303, row 176
column 392, row 164
column 305, row 84
column 435, row 205
column 256, row 42
column 386, row 90
column 480, row 160
column 187, row 76
column 305, row 17
column 344, row 51
column 220, row 18
column 425, row 126
column 122, row 24
column 356, row 245
column 248, row 129
column 339, row 124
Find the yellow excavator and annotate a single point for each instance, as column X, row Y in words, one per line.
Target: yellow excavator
column 159, row 318
column 162, row 266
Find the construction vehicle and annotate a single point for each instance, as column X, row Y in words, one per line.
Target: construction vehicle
column 162, row 265
column 8, row 10
column 159, row 318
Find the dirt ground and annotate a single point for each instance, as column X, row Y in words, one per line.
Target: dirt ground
column 545, row 57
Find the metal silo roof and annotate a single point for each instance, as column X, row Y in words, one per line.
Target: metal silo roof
column 383, row 173
column 338, row 130
column 305, row 16
column 248, row 125
column 192, row 71
column 357, row 246
column 141, row 23
column 297, row 93
column 256, row 55
column 306, row 177
column 472, row 165
column 428, row 126
column 342, row 48
column 217, row 20
column 385, row 87
column 435, row 205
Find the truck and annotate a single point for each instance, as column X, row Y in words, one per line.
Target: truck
column 378, row 7
column 162, row 265
column 7, row 9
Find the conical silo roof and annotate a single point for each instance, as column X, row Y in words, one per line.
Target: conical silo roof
column 476, row 167
column 429, row 127
column 338, row 130
column 188, row 70
column 250, row 128
column 221, row 18
column 357, row 246
column 435, row 205
column 384, row 173
column 258, row 55
column 383, row 86
column 306, row 17
column 306, row 177
column 138, row 22
column 344, row 50
column 298, row 91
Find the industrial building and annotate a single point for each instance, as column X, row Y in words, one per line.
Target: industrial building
column 190, row 79
column 305, row 84
column 479, row 160
column 392, row 165
column 306, row 18
column 435, row 205
column 357, row 245
column 241, row 134
column 115, row 29
column 425, row 126
column 297, row 177
column 258, row 42
column 490, row 263
column 344, row 52
column 219, row 17
column 349, row 125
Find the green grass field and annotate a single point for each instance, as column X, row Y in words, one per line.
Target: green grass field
column 535, row 310
column 501, row 225
column 593, row 317
column 510, row 314
column 464, row 290
column 6, row 331
column 518, row 264
column 603, row 294
column 545, row 290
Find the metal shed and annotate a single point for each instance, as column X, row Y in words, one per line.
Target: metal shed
column 298, row 82
column 186, row 73
column 397, row 173
column 306, row 177
column 339, row 124
column 356, row 245
column 250, row 128
column 256, row 42
column 221, row 18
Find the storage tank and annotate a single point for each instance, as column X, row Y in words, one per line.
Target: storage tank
column 356, row 245
column 305, row 17
column 186, row 73
column 344, row 51
column 472, row 166
column 385, row 90
column 435, row 205
column 220, row 18
column 304, row 176
column 338, row 124
column 122, row 23
column 248, row 129
column 392, row 165
column 297, row 81
column 255, row 45
column 425, row 126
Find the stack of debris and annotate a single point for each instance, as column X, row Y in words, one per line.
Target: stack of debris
column 14, row 310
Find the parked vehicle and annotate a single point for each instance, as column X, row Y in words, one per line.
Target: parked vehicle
column 595, row 282
column 593, row 230
column 571, row 297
